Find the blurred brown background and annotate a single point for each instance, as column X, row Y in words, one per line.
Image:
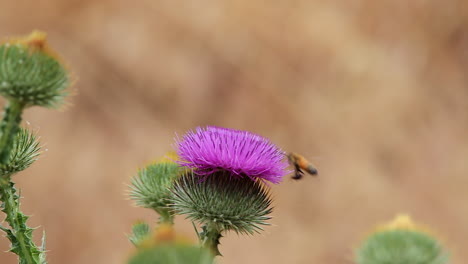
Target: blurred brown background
column 375, row 93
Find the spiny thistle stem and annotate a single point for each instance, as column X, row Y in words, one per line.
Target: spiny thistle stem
column 9, row 127
column 166, row 218
column 210, row 238
column 20, row 233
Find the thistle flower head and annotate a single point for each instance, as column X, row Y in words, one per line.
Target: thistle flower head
column 401, row 241
column 223, row 202
column 25, row 151
column 151, row 187
column 31, row 73
column 240, row 153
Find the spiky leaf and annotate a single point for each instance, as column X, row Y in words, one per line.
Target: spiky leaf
column 20, row 235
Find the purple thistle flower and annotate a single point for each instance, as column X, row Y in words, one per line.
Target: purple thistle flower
column 241, row 153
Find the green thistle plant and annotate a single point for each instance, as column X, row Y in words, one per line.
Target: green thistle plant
column 150, row 188
column 401, row 242
column 140, row 232
column 30, row 74
column 164, row 247
column 172, row 254
column 225, row 190
column 219, row 184
column 24, row 152
column 222, row 203
column 19, row 234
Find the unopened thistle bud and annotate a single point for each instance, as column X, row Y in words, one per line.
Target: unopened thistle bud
column 25, row 151
column 140, row 232
column 401, row 242
column 151, row 188
column 164, row 247
column 31, row 73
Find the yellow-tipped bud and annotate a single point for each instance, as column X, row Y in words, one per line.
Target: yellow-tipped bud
column 37, row 40
column 403, row 222
column 170, row 157
column 401, row 241
column 164, row 234
column 31, row 73
column 164, row 246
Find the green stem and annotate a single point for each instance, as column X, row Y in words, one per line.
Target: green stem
column 20, row 234
column 210, row 238
column 9, row 127
column 165, row 217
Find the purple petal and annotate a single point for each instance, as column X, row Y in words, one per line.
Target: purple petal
column 243, row 154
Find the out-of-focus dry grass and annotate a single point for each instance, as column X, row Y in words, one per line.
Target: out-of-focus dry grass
column 374, row 92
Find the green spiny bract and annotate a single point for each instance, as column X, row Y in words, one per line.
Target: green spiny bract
column 25, row 151
column 401, row 247
column 31, row 76
column 140, row 232
column 223, row 202
column 173, row 254
column 151, row 187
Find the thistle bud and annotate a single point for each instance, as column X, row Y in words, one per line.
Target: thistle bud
column 24, row 152
column 31, row 73
column 140, row 232
column 401, row 241
column 150, row 188
column 164, row 247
